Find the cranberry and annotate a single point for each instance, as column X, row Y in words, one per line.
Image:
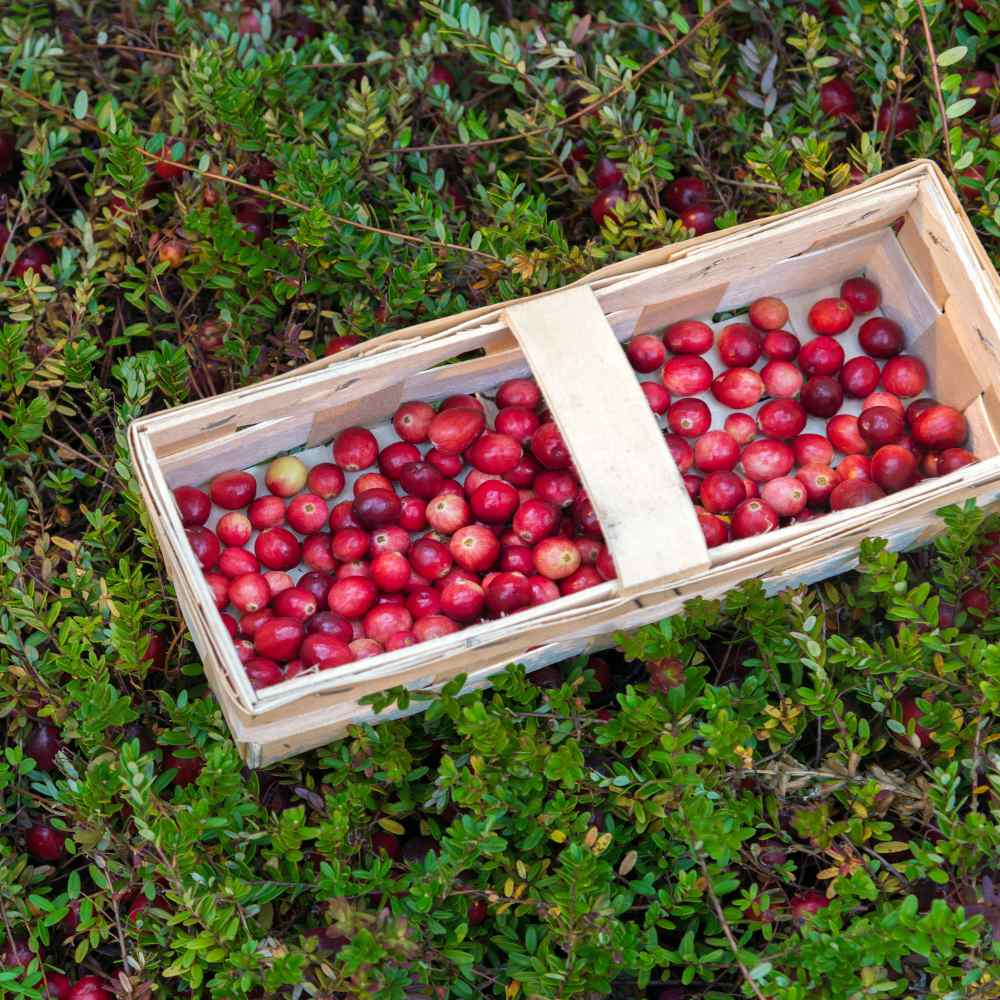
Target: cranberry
column 31, row 258
column 90, row 987
column 355, row 448
column 535, row 520
column 715, row 530
column 278, row 548
column 583, row 579
column 606, row 174
column 753, row 517
column 687, row 375
column 556, row 487
column 463, row 600
column 42, row 745
column 519, row 423
column 494, row 502
column 689, row 336
column 249, row 592
column 738, row 388
column 859, row 377
column 812, row 448
column 685, row 193
column 741, row 427
column 585, row 517
column 781, row 418
column 385, row 621
column 844, row 435
column 372, row 481
column 862, row 295
column 494, row 453
column 279, row 638
column 904, row 376
column 722, row 492
column 689, row 417
column 895, row 119
column 523, row 474
column 879, row 425
column 395, row 457
column 855, row 493
column 888, row 399
column 819, row 481
column 548, row 447
column 830, row 316
column 680, row 451
column 352, row 596
column 57, row 986
column 204, row 545
column 893, row 468
column 646, row 353
column 519, row 392
column 440, row 76
column 603, row 206
column 836, row 98
column 266, row 512
column 518, row 559
column 285, row 476
column 768, row 313
column 412, row 421
column 423, row 601
column 910, row 711
column 780, row 345
column 338, row 344
column 822, row 396
column 556, row 558
column 781, row 379
column 45, row 842
column 262, row 672
column 307, row 513
column 194, row 505
column 448, row 512
column 767, row 459
column 474, row 548
column 855, row 467
column 232, row 490
column 808, row 904
column 716, row 451
column 508, row 592
column 329, row 623
column 939, row 427
column 430, row 558
column 375, row 508
column 976, row 600
column 914, row 409
column 954, row 458
column 739, row 346
column 700, row 219
column 235, row 562
column 295, row 602
column 880, row 337
column 786, row 494
column 821, row 356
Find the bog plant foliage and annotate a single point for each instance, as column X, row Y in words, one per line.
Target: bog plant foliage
column 785, row 796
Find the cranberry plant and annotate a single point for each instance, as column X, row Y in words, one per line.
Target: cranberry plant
column 786, row 796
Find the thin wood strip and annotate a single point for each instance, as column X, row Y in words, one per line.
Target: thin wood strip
column 649, row 524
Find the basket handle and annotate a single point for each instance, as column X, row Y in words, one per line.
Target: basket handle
column 637, row 491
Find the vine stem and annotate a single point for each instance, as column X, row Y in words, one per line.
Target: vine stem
column 945, row 141
column 89, row 126
column 583, row 112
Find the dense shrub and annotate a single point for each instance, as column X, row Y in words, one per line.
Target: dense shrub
column 788, row 796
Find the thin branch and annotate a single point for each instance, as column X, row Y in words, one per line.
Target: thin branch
column 260, row 192
column 65, row 447
column 937, row 86
column 162, row 53
column 726, row 929
column 583, row 112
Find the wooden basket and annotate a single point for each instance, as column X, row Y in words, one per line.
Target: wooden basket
column 936, row 281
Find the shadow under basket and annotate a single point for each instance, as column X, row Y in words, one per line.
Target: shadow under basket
column 905, row 230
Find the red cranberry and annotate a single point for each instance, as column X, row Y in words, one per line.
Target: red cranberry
column 895, row 119
column 279, row 638
column 603, row 206
column 507, row 593
column 753, row 517
column 352, row 596
column 830, row 316
column 463, row 401
column 781, row 379
column 680, row 451
column 781, row 418
column 31, row 258
column 355, row 448
column 845, row 436
column 822, row 396
column 689, row 417
column 494, row 502
column 606, row 174
column 374, row 509
column 395, row 457
column 700, row 219
column 45, row 843
column 249, row 592
column 412, row 421
column 463, row 600
column 535, row 520
column 954, row 458
column 448, row 512
column 767, row 459
column 862, row 295
column 232, row 490
column 859, row 377
column 715, row 530
column 739, row 346
column 295, row 602
column 855, row 493
column 262, row 672
column 738, row 388
column 893, row 468
column 812, row 449
column 780, row 345
column 716, row 451
column 689, row 336
column 821, row 356
column 194, row 505
column 42, row 745
column 204, row 545
column 893, row 402
column 285, row 476
column 583, row 579
column 722, row 492
column 808, row 904
column 685, row 193
column 519, row 392
column 556, row 487
column 474, row 548
column 517, row 559
column 880, row 337
column 235, row 562
column 768, row 313
column 657, row 397
column 278, row 548
column 741, row 427
column 90, row 987
column 519, row 423
column 687, row 375
column 338, row 344
column 904, row 376
column 786, row 494
column 855, row 467
column 914, row 409
column 819, row 481
column 836, row 98
column 879, row 425
column 940, row 427
column 646, row 353
column 385, row 621
column 266, row 512
column 548, row 447
column 494, row 453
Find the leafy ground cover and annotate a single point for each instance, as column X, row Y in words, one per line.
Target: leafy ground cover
column 788, row 797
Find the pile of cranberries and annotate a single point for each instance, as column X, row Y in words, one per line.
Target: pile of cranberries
column 763, row 467
column 456, row 521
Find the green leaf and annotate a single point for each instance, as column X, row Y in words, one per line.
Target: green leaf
column 961, row 107
column 679, row 22
column 80, row 105
column 951, row 56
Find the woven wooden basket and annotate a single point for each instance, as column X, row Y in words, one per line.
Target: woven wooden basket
column 905, row 229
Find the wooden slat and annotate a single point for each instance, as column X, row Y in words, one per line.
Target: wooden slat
column 621, row 457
